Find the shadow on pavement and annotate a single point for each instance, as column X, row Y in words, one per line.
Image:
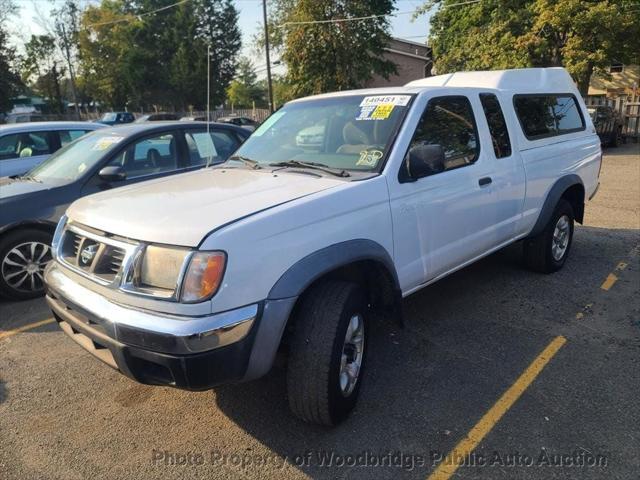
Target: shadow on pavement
column 3, row 391
column 465, row 340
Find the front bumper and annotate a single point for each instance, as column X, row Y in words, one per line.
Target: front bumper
column 193, row 353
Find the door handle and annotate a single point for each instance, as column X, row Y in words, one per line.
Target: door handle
column 484, row 181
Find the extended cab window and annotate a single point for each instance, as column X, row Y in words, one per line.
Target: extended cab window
column 449, row 122
column 497, row 125
column 548, row 115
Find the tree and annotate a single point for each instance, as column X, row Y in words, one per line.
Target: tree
column 323, row 57
column 583, row 36
column 41, row 70
column 66, row 30
column 244, row 91
column 10, row 82
column 159, row 60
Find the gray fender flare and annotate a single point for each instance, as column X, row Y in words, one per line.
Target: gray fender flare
column 281, row 300
column 554, row 195
column 299, row 276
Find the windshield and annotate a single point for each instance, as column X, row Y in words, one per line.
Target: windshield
column 71, row 161
column 350, row 133
column 109, row 117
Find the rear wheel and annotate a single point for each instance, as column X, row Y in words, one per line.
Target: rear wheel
column 548, row 251
column 328, row 352
column 24, row 254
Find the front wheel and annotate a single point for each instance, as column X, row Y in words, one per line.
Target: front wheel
column 24, row 254
column 328, row 352
column 548, row 251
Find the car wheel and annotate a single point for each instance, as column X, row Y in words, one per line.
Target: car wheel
column 327, row 352
column 24, row 254
column 548, row 251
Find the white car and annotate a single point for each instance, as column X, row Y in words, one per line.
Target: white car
column 198, row 279
column 25, row 145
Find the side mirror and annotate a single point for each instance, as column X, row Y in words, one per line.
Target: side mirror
column 113, row 173
column 424, row 160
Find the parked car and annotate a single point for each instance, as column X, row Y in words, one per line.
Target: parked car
column 116, row 118
column 24, row 117
column 30, row 206
column 194, row 119
column 24, row 146
column 243, row 122
column 157, row 117
column 198, row 280
column 608, row 124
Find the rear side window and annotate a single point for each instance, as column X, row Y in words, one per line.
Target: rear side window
column 548, row 115
column 215, row 147
column 21, row 145
column 497, row 125
column 68, row 136
column 449, row 122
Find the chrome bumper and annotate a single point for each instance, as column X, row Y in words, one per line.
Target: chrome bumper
column 152, row 331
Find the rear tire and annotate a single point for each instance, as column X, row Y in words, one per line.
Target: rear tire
column 23, row 256
column 547, row 252
column 328, row 352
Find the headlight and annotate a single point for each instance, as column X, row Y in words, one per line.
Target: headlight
column 161, row 266
column 203, row 276
column 177, row 274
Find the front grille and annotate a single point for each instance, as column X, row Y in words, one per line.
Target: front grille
column 96, row 256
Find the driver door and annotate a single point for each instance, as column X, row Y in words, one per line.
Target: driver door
column 445, row 219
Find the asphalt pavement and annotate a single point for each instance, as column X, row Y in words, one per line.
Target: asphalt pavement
column 498, row 373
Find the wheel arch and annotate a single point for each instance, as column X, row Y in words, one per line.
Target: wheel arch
column 569, row 187
column 43, row 225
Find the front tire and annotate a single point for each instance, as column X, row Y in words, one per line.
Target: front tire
column 24, row 254
column 328, row 352
column 548, row 251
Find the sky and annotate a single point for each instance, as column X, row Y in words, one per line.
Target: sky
column 32, row 12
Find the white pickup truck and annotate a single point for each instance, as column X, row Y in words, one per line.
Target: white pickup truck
column 199, row 279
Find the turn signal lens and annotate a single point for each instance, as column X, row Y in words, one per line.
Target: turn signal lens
column 203, row 277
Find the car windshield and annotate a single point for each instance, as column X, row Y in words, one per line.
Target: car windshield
column 347, row 132
column 71, row 161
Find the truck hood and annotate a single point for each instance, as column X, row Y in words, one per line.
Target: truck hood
column 183, row 209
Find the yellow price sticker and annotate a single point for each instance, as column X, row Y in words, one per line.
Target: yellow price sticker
column 382, row 111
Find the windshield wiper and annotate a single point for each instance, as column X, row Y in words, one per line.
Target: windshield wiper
column 247, row 161
column 312, row 165
column 29, row 178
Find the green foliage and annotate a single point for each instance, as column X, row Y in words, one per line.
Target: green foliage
column 10, row 82
column 583, row 36
column 331, row 56
column 244, row 91
column 158, row 60
column 42, row 71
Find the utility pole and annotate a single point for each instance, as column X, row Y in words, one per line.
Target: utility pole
column 72, row 75
column 266, row 49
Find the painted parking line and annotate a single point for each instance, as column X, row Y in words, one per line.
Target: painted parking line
column 609, row 282
column 31, row 326
column 468, row 444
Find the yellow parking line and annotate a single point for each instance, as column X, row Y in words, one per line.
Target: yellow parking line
column 24, row 328
column 609, row 281
column 458, row 455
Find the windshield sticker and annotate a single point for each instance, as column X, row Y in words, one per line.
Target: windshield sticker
column 381, row 111
column 369, row 158
column 105, row 142
column 396, row 100
column 268, row 123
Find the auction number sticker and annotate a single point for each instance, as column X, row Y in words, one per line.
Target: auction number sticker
column 380, row 107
